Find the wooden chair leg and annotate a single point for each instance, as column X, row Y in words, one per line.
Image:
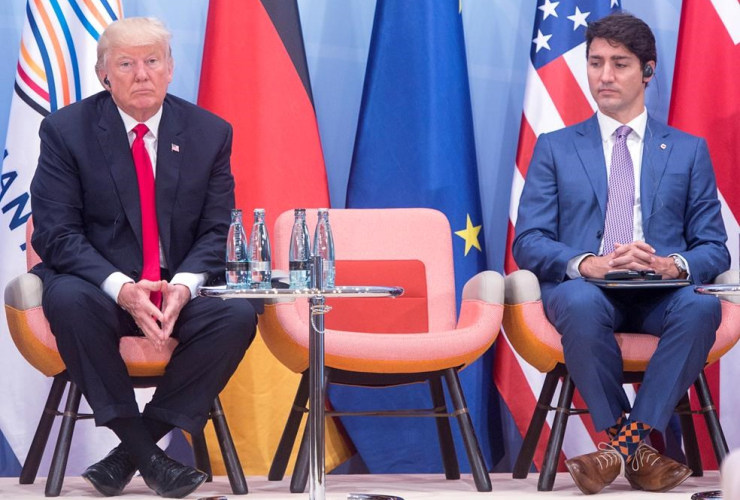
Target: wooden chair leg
column 710, row 415
column 529, row 445
column 444, row 432
column 475, row 457
column 61, row 452
column 290, row 432
column 557, row 434
column 200, row 453
column 41, row 437
column 690, row 443
column 228, row 450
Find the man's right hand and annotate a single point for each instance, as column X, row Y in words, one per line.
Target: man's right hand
column 134, row 298
column 596, row 266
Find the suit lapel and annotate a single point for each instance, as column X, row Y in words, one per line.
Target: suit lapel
column 114, row 143
column 590, row 150
column 170, row 149
column 655, row 152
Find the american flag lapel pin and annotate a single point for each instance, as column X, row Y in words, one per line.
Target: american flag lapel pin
column 175, row 148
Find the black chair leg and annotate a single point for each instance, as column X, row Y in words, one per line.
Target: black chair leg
column 710, row 414
column 200, row 453
column 299, row 480
column 444, row 432
column 61, row 452
column 36, row 452
column 534, row 431
column 557, row 434
column 290, row 432
column 475, row 457
column 228, row 450
column 690, row 443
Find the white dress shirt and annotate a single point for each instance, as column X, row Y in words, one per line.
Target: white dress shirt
column 113, row 283
column 635, row 144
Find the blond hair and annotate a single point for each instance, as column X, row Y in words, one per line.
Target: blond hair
column 132, row 32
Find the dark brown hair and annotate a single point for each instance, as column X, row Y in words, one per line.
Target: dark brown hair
column 625, row 29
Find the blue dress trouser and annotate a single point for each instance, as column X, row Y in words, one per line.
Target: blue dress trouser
column 588, row 316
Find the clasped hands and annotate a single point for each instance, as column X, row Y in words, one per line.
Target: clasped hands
column 635, row 256
column 155, row 324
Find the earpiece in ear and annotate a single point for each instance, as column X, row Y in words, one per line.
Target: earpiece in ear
column 106, row 81
column 647, row 71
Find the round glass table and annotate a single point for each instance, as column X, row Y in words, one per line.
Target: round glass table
column 317, row 298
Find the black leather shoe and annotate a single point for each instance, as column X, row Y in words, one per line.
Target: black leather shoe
column 112, row 474
column 171, row 479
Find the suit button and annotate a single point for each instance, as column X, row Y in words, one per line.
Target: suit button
column 135, row 275
column 599, row 234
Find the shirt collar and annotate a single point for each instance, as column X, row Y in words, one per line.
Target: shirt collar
column 152, row 123
column 608, row 125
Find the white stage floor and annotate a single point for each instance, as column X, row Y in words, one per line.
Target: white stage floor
column 407, row 486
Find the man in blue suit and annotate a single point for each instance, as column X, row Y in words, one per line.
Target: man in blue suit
column 131, row 203
column 619, row 192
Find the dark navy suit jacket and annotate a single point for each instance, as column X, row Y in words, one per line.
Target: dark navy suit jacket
column 563, row 204
column 85, row 196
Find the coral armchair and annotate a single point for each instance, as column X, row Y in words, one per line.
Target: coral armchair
column 384, row 342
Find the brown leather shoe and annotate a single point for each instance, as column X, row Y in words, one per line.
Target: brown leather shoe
column 594, row 471
column 650, row 471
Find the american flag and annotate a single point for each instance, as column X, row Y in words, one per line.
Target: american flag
column 556, row 96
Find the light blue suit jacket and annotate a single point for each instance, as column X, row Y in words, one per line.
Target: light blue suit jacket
column 563, row 204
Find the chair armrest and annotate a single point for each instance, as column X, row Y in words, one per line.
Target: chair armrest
column 522, row 286
column 729, row 277
column 24, row 292
column 487, row 286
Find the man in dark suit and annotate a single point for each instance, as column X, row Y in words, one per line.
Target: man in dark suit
column 617, row 192
column 124, row 254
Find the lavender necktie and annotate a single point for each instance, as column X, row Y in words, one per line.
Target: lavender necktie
column 619, row 205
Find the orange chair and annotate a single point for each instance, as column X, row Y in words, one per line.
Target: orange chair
column 535, row 339
column 31, row 333
column 383, row 342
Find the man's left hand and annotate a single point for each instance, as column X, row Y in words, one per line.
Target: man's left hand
column 666, row 267
column 174, row 298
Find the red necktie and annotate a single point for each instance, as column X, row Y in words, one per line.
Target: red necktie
column 149, row 229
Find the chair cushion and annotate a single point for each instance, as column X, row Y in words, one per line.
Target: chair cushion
column 283, row 330
column 31, row 333
column 535, row 339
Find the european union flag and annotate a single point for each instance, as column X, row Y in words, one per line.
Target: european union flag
column 415, row 148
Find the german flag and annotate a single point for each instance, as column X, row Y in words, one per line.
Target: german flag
column 255, row 75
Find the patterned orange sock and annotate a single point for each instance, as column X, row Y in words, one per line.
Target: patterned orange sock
column 630, row 437
column 614, row 429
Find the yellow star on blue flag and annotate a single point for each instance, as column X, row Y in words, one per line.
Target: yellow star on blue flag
column 470, row 235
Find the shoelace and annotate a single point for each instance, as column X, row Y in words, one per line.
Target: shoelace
column 610, row 458
column 644, row 455
column 121, row 462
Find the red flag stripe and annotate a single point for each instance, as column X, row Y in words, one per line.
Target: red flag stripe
column 565, row 92
column 527, row 140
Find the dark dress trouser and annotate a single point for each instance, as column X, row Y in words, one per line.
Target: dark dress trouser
column 587, row 317
column 213, row 336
